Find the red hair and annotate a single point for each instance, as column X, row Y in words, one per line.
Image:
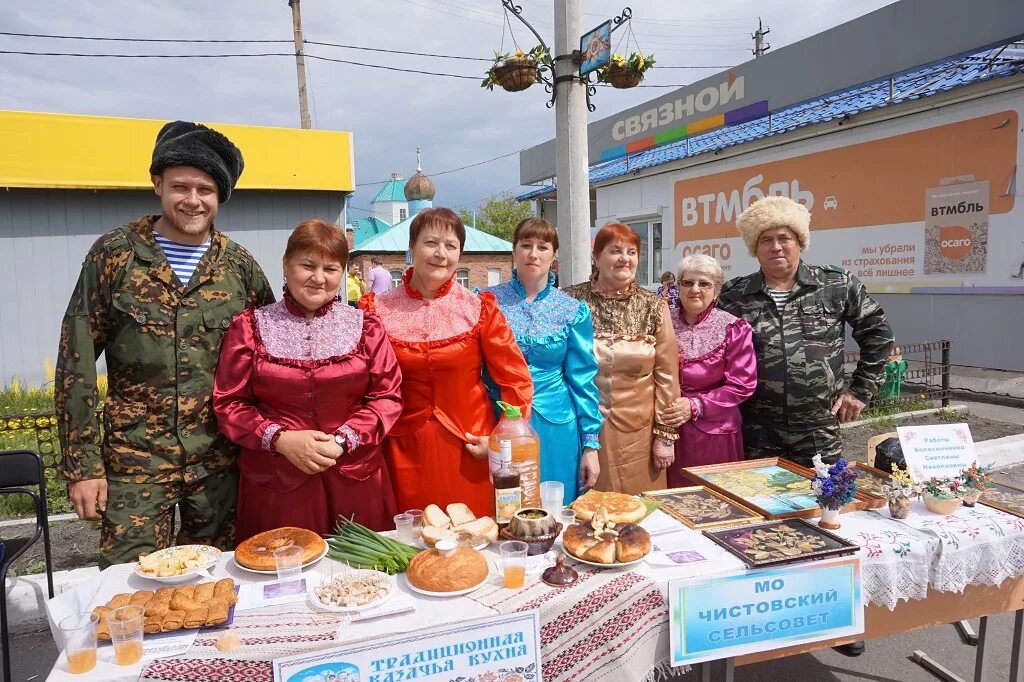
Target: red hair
column 536, row 228
column 322, row 239
column 441, row 219
column 615, row 232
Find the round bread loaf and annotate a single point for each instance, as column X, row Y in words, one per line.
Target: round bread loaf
column 258, row 551
column 621, row 508
column 628, row 543
column 434, row 572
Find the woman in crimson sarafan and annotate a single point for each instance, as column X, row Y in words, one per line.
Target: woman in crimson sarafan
column 308, row 387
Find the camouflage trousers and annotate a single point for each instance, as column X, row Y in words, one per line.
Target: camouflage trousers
column 798, row 446
column 140, row 516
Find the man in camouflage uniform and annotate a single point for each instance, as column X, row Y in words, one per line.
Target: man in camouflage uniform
column 159, row 447
column 798, row 312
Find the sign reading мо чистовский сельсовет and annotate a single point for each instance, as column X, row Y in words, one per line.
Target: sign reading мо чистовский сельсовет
column 718, row 617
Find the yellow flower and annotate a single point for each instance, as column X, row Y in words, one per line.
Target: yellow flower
column 639, row 62
column 520, row 54
column 618, row 59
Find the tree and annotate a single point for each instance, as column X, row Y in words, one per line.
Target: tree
column 499, row 215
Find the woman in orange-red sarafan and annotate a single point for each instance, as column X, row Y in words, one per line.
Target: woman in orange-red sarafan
column 443, row 335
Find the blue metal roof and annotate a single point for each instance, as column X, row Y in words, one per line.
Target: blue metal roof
column 365, row 228
column 925, row 82
column 393, row 190
column 395, row 239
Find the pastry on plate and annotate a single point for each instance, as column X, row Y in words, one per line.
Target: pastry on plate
column 621, row 508
column 258, row 551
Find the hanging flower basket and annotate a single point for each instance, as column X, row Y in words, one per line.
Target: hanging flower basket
column 625, row 73
column 517, row 71
column 622, row 78
column 515, row 74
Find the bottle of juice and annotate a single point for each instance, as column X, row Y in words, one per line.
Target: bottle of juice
column 525, row 451
column 508, row 496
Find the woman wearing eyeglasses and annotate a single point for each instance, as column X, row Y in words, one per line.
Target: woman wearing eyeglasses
column 717, row 371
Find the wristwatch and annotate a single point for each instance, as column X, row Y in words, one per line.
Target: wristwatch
column 342, row 441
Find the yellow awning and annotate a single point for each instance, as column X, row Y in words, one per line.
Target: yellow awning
column 97, row 152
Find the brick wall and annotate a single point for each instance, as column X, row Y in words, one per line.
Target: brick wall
column 478, row 265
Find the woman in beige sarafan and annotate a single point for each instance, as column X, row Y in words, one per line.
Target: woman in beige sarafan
column 638, row 366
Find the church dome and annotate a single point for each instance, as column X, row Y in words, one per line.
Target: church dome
column 419, row 188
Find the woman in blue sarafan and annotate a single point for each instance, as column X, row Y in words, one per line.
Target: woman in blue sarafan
column 556, row 334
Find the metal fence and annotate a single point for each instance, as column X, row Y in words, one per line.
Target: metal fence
column 34, row 431
column 926, row 378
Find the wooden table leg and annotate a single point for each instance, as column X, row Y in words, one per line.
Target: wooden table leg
column 1017, row 649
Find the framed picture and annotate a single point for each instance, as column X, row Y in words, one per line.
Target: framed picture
column 779, row 542
column 773, row 487
column 698, row 507
column 596, row 48
column 1004, row 497
column 869, row 482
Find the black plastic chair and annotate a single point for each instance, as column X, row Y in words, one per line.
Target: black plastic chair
column 18, row 469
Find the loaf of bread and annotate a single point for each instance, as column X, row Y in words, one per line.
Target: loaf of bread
column 434, row 572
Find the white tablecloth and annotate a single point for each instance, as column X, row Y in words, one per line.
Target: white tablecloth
column 899, row 561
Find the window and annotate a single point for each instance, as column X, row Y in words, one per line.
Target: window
column 402, row 214
column 493, row 276
column 648, row 270
column 462, row 277
column 396, row 278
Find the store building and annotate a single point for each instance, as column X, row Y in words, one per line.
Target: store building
column 909, row 168
column 68, row 179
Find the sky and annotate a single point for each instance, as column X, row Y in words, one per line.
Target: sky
column 455, row 121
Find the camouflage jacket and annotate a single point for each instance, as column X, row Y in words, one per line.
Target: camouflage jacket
column 161, row 343
column 800, row 347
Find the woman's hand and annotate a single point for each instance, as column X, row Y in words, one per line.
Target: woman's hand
column 677, row 413
column 590, row 468
column 477, row 446
column 663, row 453
column 310, row 451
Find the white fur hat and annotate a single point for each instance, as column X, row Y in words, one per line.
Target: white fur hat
column 774, row 211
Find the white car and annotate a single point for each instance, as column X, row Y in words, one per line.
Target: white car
column 830, row 202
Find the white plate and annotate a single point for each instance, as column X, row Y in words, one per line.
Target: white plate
column 621, row 564
column 209, row 555
column 274, row 572
column 456, row 593
column 315, row 600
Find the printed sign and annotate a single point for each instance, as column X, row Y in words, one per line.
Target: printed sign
column 939, row 450
column 596, row 48
column 497, row 648
column 956, row 228
column 732, row 615
column 839, row 194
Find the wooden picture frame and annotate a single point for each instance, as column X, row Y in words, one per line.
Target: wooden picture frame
column 757, row 545
column 869, row 482
column 729, row 511
column 758, row 494
column 1007, row 498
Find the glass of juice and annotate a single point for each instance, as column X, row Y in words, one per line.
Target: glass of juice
column 79, row 632
column 125, row 626
column 513, row 563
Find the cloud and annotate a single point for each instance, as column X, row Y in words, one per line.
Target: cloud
column 454, row 121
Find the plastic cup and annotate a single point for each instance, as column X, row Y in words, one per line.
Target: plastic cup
column 288, row 561
column 417, row 520
column 568, row 516
column 513, row 563
column 79, row 633
column 404, row 526
column 125, row 626
column 552, row 496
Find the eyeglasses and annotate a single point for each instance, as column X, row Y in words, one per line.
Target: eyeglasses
column 702, row 284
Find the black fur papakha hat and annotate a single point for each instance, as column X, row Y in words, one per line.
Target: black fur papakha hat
column 181, row 143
